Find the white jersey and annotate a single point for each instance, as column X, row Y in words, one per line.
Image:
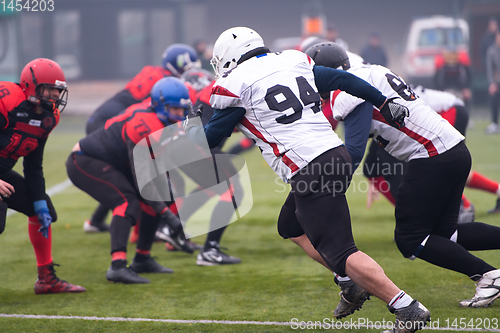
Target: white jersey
column 438, row 100
column 282, row 109
column 425, row 134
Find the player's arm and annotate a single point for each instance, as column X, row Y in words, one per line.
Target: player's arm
column 357, row 129
column 329, row 79
column 33, row 172
column 220, row 126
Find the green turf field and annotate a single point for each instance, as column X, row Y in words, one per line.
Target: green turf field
column 276, row 281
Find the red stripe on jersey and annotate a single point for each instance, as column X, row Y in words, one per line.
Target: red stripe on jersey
column 33, row 130
column 218, row 90
column 308, row 59
column 288, row 162
column 245, row 122
column 429, row 146
column 333, row 97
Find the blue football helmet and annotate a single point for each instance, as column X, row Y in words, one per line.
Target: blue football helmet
column 167, row 92
column 178, row 58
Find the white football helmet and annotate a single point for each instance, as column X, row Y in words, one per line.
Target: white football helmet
column 231, row 45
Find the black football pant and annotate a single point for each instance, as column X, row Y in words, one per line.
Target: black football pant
column 427, row 208
column 317, row 206
column 20, row 200
column 112, row 188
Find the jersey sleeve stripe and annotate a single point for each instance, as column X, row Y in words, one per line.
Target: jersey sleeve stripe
column 429, row 146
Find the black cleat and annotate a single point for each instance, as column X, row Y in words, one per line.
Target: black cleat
column 496, row 209
column 124, row 275
column 149, row 266
column 214, row 256
column 410, row 319
column 352, row 298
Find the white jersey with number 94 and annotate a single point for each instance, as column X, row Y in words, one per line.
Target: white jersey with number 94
column 282, row 105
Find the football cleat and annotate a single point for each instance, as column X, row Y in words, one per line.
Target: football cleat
column 49, row 283
column 352, row 298
column 179, row 243
column 214, row 256
column 149, row 266
column 410, row 319
column 487, row 290
column 92, row 227
column 124, row 275
column 466, row 215
column 496, row 209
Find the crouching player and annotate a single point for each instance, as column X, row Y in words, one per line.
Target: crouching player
column 29, row 112
column 102, row 165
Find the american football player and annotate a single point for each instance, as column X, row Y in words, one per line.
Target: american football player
column 176, row 59
column 274, row 99
column 428, row 200
column 102, row 165
column 29, row 112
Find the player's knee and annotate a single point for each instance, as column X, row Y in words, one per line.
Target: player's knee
column 410, row 249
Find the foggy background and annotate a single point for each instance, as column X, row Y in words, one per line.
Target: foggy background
column 101, row 40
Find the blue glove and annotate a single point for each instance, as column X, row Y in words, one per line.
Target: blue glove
column 42, row 213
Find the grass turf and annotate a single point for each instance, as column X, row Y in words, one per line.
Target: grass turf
column 275, row 282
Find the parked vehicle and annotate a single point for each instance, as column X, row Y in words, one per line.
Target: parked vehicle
column 427, row 38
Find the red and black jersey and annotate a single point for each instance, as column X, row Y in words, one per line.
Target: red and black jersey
column 114, row 143
column 24, row 133
column 140, row 86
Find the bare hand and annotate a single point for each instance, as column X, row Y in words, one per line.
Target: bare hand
column 6, row 189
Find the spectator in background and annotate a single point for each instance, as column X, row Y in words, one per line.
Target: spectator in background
column 204, row 53
column 332, row 35
column 488, row 39
column 493, row 75
column 453, row 72
column 374, row 52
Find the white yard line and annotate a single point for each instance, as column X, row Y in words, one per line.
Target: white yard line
column 332, row 325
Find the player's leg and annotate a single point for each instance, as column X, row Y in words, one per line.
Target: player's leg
column 352, row 297
column 323, row 213
column 112, row 189
column 143, row 262
column 47, row 282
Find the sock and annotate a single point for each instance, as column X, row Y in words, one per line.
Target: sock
column 401, row 300
column 480, row 182
column 41, row 245
column 141, row 255
column 466, row 203
column 118, row 264
column 342, row 278
column 119, row 255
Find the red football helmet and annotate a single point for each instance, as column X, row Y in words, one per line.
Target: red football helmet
column 41, row 74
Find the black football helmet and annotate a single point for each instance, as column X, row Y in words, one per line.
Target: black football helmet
column 329, row 54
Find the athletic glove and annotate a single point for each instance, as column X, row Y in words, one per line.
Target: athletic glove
column 43, row 215
column 394, row 113
column 192, row 114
